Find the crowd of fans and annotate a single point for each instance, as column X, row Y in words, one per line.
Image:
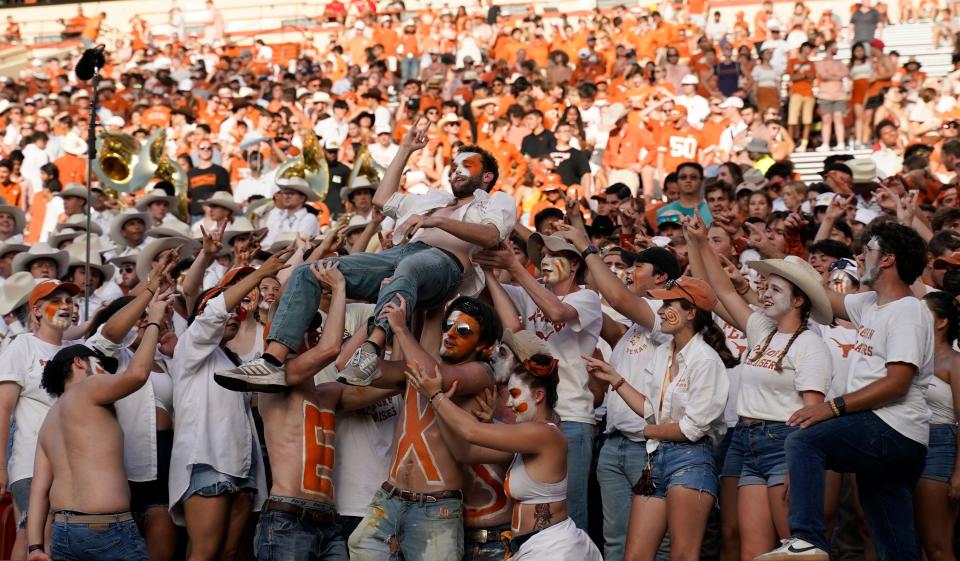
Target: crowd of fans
column 536, row 285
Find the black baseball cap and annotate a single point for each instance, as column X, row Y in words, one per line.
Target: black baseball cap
column 662, row 259
column 66, row 355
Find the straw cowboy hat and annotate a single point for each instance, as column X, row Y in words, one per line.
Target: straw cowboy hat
column 78, row 254
column 282, row 241
column 77, row 222
column 225, row 200
column 299, row 185
column 63, row 235
column 805, row 278
column 73, row 144
column 74, row 190
column 7, row 247
column 154, row 196
column 22, row 261
column 116, row 227
column 126, row 259
column 15, row 291
column 360, row 183
column 154, row 248
column 18, row 217
column 240, row 226
column 170, row 228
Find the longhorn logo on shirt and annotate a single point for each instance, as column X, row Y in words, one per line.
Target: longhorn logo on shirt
column 542, row 325
column 845, row 348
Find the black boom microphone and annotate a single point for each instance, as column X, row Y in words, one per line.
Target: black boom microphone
column 92, row 60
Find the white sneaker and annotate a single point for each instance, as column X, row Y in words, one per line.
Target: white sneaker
column 823, row 148
column 795, row 549
column 255, row 376
column 363, row 368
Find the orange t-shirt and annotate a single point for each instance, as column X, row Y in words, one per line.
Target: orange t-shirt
column 677, row 146
column 803, row 86
column 73, row 169
column 157, row 116
column 12, row 193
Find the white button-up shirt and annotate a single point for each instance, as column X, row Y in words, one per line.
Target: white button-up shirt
column 697, row 394
column 280, row 220
column 214, row 425
column 499, row 209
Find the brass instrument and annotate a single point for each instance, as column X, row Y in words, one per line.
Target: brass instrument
column 365, row 166
column 310, row 165
column 123, row 164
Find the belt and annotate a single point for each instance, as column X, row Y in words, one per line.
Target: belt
column 72, row 517
column 321, row 517
column 485, row 535
column 414, row 497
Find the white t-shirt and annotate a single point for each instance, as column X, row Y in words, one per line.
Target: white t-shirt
column 630, row 356
column 567, row 341
column 899, row 331
column 737, row 343
column 364, row 440
column 23, row 363
column 774, row 396
column 840, row 340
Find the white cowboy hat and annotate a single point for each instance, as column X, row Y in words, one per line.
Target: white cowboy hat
column 19, row 219
column 282, row 241
column 153, row 196
column 299, row 185
column 360, row 183
column 125, row 259
column 78, row 254
column 15, row 291
column 73, row 144
column 864, row 170
column 223, row 199
column 7, row 247
column 802, row 275
column 76, row 222
column 63, row 235
column 240, row 226
column 154, row 248
column 116, row 227
column 22, row 261
column 74, row 190
column 170, row 228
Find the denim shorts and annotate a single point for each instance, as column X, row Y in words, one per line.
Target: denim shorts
column 761, row 444
column 941, row 453
column 208, row 482
column 687, row 464
column 21, row 497
column 729, row 459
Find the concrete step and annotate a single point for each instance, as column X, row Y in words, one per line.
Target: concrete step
column 808, row 165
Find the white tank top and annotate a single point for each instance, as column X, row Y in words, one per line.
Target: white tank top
column 861, row 71
column 162, row 390
column 940, row 401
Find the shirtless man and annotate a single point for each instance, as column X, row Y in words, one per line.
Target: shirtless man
column 431, row 261
column 419, row 509
column 78, row 473
column 299, row 520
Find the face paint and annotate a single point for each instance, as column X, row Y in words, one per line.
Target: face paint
column 249, row 303
column 777, row 299
column 58, row 313
column 460, row 337
column 465, row 174
column 621, row 274
column 671, row 317
column 555, row 269
column 521, row 399
column 840, row 282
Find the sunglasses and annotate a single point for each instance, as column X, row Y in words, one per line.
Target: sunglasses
column 127, row 268
column 205, row 148
column 671, row 283
column 842, row 264
column 463, row 330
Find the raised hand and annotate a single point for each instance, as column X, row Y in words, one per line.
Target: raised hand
column 277, row 262
column 486, row 402
column 601, row 370
column 908, row 207
column 838, row 207
column 416, row 137
column 502, row 257
column 395, row 313
column 795, row 223
column 157, row 308
column 694, row 229
column 576, row 236
column 427, row 384
column 328, row 274
column 213, row 242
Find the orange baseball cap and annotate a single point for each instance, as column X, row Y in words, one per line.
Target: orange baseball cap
column 48, row 287
column 234, row 275
column 695, row 291
column 948, row 262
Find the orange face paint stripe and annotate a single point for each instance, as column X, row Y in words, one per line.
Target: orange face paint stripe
column 318, row 430
column 416, row 422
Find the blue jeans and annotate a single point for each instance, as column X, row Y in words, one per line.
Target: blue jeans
column 424, row 531
column 425, row 276
column 941, row 453
column 887, row 466
column 282, row 536
column 409, row 68
column 579, row 458
column 619, row 467
column 761, row 444
column 684, row 464
column 76, row 541
column 491, row 550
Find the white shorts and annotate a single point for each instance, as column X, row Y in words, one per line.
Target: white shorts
column 560, row 542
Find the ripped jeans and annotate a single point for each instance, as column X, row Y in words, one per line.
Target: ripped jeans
column 687, row 464
column 425, row 276
column 427, row 531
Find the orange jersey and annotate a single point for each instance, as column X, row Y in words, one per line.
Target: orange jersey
column 678, row 146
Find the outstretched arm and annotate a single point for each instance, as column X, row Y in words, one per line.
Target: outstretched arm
column 304, row 366
column 737, row 308
column 117, row 327
column 193, row 281
column 415, row 139
column 503, row 257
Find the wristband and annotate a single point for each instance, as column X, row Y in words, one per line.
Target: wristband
column 619, row 383
column 841, row 405
column 34, row 547
column 438, row 392
column 590, row 250
column 833, row 406
column 153, row 323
